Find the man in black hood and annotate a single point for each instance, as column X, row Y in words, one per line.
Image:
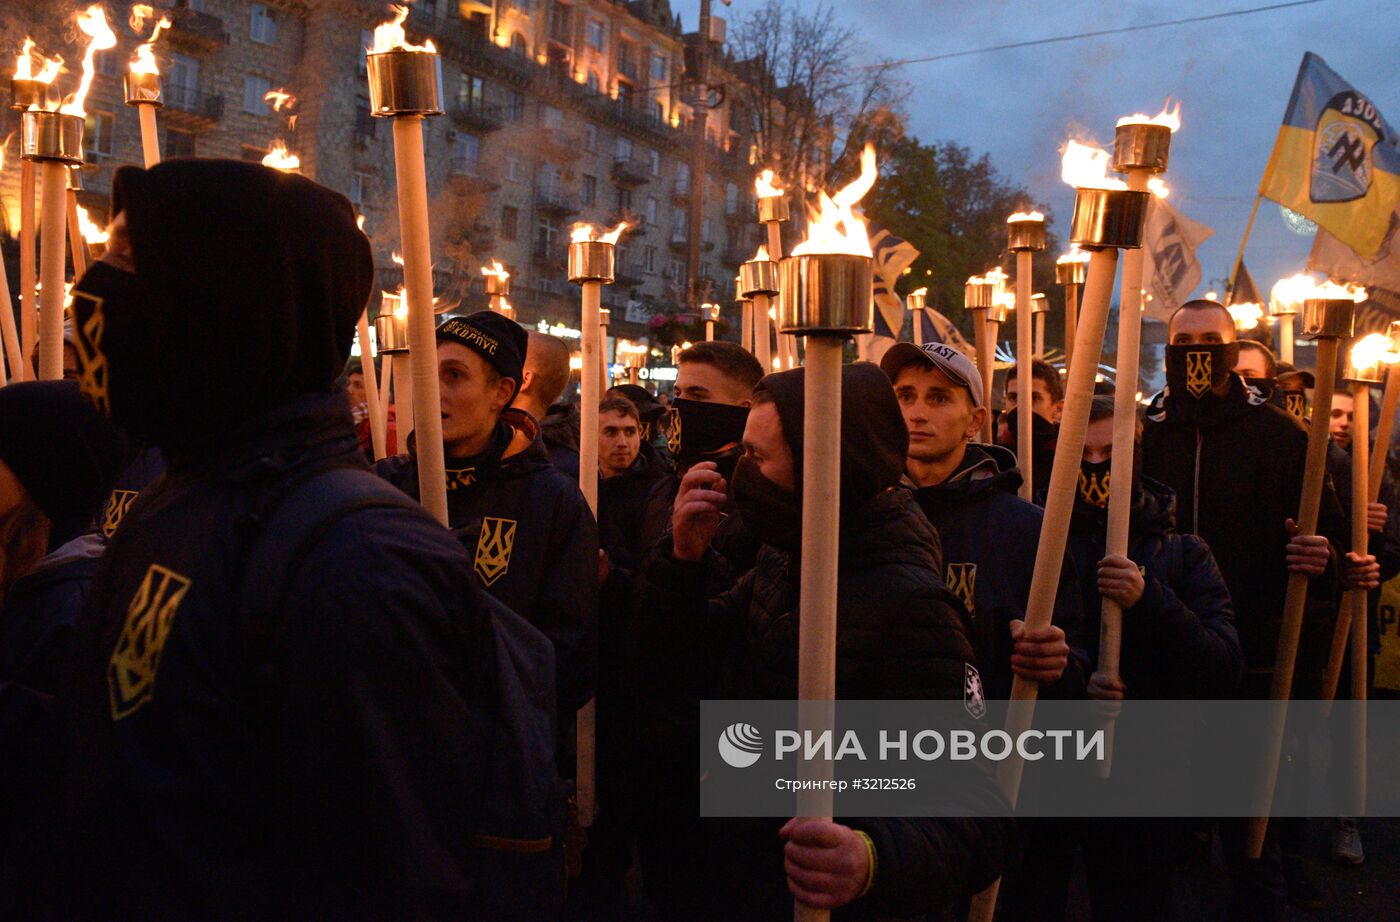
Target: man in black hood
column 1046, row 405
column 989, row 534
column 316, row 752
column 899, row 636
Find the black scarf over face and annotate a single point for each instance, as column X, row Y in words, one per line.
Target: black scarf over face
column 1194, row 373
column 697, row 430
column 248, row 285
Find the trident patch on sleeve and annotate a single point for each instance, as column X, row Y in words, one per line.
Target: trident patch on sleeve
column 117, row 505
column 493, row 549
column 961, row 579
column 131, row 673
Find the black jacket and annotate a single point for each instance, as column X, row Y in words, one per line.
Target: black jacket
column 899, row 635
column 1179, row 640
column 622, row 504
column 331, row 768
column 989, row 538
column 559, row 430
column 533, row 541
column 1238, row 476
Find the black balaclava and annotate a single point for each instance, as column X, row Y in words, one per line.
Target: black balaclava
column 248, row 285
column 1264, row 387
column 697, row 430
column 1094, row 478
column 1044, row 434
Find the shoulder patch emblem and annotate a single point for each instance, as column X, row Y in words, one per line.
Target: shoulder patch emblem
column 961, row 579
column 973, row 699
column 493, row 549
column 117, row 505
column 131, row 673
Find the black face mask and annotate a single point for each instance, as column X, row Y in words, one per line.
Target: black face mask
column 1093, row 482
column 1043, row 432
column 1264, row 387
column 699, row 431
column 770, row 513
column 1193, row 372
column 118, row 361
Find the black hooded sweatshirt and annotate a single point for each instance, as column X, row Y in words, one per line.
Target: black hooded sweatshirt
column 900, row 635
column 331, row 766
column 989, row 537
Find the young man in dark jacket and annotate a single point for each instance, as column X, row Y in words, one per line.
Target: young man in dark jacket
column 533, row 541
column 544, row 378
column 321, row 756
column 900, row 635
column 1047, row 403
column 989, row 534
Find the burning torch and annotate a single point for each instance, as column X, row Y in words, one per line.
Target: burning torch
column 634, row 357
column 405, row 84
column 30, row 92
column 827, row 296
column 391, row 329
column 916, row 301
column 604, row 374
column 1107, row 217
column 1070, row 272
column 1390, row 397
column 710, row 313
column 758, row 281
column 1025, row 233
column 142, row 82
column 376, row 407
column 772, row 207
column 1285, row 301
column 980, row 297
column 14, row 356
column 496, row 280
column 1141, row 149
column 1040, row 307
column 1328, row 312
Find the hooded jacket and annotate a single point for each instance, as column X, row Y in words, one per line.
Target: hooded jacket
column 899, row 635
column 560, row 432
column 622, row 503
column 989, row 538
column 1179, row 640
column 333, row 766
column 533, row 543
column 1237, row 472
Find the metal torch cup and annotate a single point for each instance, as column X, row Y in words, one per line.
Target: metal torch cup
column 28, row 94
column 143, row 90
column 978, row 296
column 772, row 208
column 916, row 300
column 759, row 277
column 53, row 136
column 1071, row 273
column 591, row 261
column 998, row 313
column 829, row 293
column 1328, row 317
column 404, row 82
column 710, row 313
column 1364, row 374
column 497, row 285
column 1025, row 235
column 391, row 327
column 1106, row 218
column 1142, row 146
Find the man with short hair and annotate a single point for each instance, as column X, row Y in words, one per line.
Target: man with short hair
column 989, row 534
column 533, row 540
column 1047, row 403
column 544, row 378
column 1343, row 414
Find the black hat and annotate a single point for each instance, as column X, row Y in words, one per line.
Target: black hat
column 648, row 408
column 500, row 341
column 64, row 453
column 1286, row 370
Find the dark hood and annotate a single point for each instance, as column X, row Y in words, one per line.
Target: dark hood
column 1211, row 413
column 252, row 281
column 984, row 468
column 874, row 438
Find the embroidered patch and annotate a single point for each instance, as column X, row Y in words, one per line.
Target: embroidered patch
column 973, row 699
column 117, row 505
column 131, row 673
column 961, row 579
column 1198, row 373
column 493, row 549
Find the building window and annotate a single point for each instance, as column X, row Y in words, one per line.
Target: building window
column 590, row 137
column 590, row 189
column 254, row 89
column 731, row 199
column 683, row 178
column 364, row 122
column 624, row 149
column 510, row 223
column 184, row 81
column 196, row 5
column 658, row 67
column 649, row 258
column 471, row 92
column 515, row 106
column 678, row 271
column 264, row 25
column 466, row 153
column 597, row 32
column 551, row 117
column 108, row 63
column 97, row 133
column 654, row 157
column 358, row 182
column 178, row 144
column 518, row 46
column 559, row 23
column 651, row 211
column 705, row 229
column 513, row 169
column 658, row 110
column 592, row 82
column 624, row 198
column 546, row 232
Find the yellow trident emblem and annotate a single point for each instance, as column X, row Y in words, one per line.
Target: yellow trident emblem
column 131, row 673
column 1294, row 403
column 673, row 431
column 1198, row 373
column 962, row 582
column 1094, row 488
column 92, row 362
column 117, row 505
column 493, row 549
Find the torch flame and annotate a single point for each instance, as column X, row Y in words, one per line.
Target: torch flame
column 918, row 293
column 1157, row 187
column 835, row 228
column 279, row 158
column 1086, row 167
column 763, row 186
column 587, row 233
column 1331, row 291
column 762, row 254
column 1075, row 255
column 397, row 258
column 93, row 23
column 24, row 64
column 495, row 269
column 360, row 221
column 278, row 99
column 1170, row 118
column 1246, row 314
column 92, row 233
column 390, row 36
column 1290, row 293
column 1025, row 216
column 1373, row 349
column 144, row 61
column 140, row 12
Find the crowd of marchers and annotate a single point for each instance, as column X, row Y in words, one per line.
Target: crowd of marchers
column 244, row 674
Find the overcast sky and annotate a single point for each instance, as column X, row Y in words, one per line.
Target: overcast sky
column 1232, row 75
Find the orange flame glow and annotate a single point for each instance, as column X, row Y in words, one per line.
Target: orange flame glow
column 93, row 23
column 360, row 221
column 390, row 36
column 763, row 186
column 1086, row 167
column 835, row 228
column 1246, row 314
column 585, row 233
column 1025, row 216
column 24, row 64
column 1171, row 118
column 1075, row 255
column 495, row 269
column 278, row 99
column 91, row 232
column 1331, row 291
column 1373, row 349
column 140, row 12
column 397, row 258
column 1157, row 187
column 279, row 158
column 144, row 61
column 762, row 254
column 919, row 293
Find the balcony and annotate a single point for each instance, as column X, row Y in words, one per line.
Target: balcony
column 627, row 274
column 635, row 221
column 681, row 190
column 631, row 172
column 196, row 31
column 554, row 202
column 550, row 255
column 627, row 67
column 188, row 107
column 366, row 128
column 469, row 175
column 680, row 241
column 474, row 115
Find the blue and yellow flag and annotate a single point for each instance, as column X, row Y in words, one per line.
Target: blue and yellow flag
column 1336, row 160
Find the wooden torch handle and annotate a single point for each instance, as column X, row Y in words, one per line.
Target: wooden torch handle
column 986, row 363
column 1390, row 396
column 762, row 332
column 28, row 280
column 372, row 404
column 9, row 334
column 1024, row 348
column 150, row 139
column 52, row 217
column 76, row 244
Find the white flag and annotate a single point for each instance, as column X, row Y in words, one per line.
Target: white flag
column 1340, row 262
column 1170, row 269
